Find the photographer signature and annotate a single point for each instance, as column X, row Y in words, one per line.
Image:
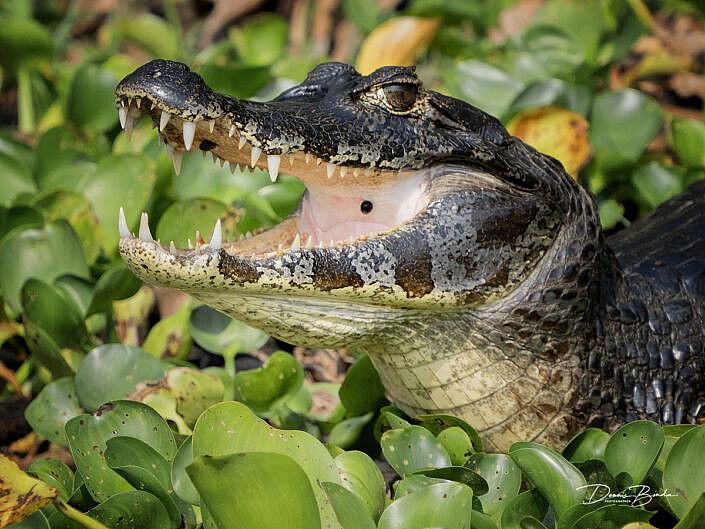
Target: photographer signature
column 635, row 495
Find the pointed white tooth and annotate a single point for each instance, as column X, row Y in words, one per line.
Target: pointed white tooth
column 232, row 131
column 172, row 248
column 151, row 107
column 198, row 238
column 273, row 161
column 123, row 116
column 217, row 238
column 222, row 162
column 162, row 138
column 211, row 125
column 241, row 143
column 368, row 171
column 307, row 157
column 343, row 170
column 122, row 224
column 204, row 154
column 164, row 119
column 169, row 151
column 291, row 158
column 309, row 242
column 215, row 158
column 145, row 234
column 280, row 250
column 296, row 245
column 241, row 237
column 248, row 235
column 178, row 156
column 190, row 245
column 138, row 101
column 356, row 171
column 129, row 102
column 254, row 156
column 318, row 161
column 189, row 132
column 129, row 125
column 321, row 244
column 330, row 169
column 232, row 167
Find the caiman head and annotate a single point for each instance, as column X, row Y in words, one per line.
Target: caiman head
column 463, row 260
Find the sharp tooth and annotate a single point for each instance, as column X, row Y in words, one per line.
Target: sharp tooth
column 273, row 161
column 189, row 132
column 307, row 157
column 321, row 244
column 309, row 242
column 138, row 101
column 211, row 125
column 241, row 237
column 248, row 235
column 356, row 171
column 343, row 170
column 164, row 119
column 190, row 245
column 215, row 158
column 222, row 162
column 169, row 151
column 145, row 234
column 129, row 102
column 178, row 156
column 296, row 246
column 172, row 248
column 368, row 171
column 256, row 151
column 318, row 161
column 123, row 116
column 217, row 238
column 280, row 250
column 198, row 238
column 231, row 250
column 151, row 107
column 241, row 143
column 330, row 169
column 122, row 224
column 162, row 138
column 204, row 154
column 129, row 125
column 232, row 167
column 232, row 131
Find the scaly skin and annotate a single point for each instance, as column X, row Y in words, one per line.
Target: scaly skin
column 492, row 294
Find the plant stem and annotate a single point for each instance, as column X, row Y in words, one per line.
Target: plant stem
column 78, row 516
column 643, row 13
column 25, row 105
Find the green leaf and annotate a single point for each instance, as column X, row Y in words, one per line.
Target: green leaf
column 170, row 338
column 362, row 390
column 88, row 433
column 362, row 476
column 414, row 483
column 413, row 448
column 230, row 427
column 695, row 517
column 111, row 371
column 633, row 449
column 503, row 478
column 238, row 81
column 44, row 254
column 349, row 509
column 657, row 182
column 89, row 103
column 555, row 478
column 23, row 42
column 622, row 125
column 127, row 510
column 612, row 517
column 16, row 179
column 264, row 490
column 688, row 140
column 179, row 477
column 439, row 505
column 460, row 474
column 153, row 34
column 588, row 444
column 672, row 433
column 218, row 333
column 261, row 39
column 345, row 433
column 52, row 408
column 685, row 471
column 611, row 212
column 271, row 385
column 54, row 473
column 437, row 422
column 457, row 443
column 116, row 283
column 527, row 504
column 183, row 217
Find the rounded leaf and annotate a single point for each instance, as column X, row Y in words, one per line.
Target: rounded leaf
column 362, row 476
column 218, row 333
column 527, row 504
column 54, row 473
column 362, row 390
column 349, row 508
column 179, row 477
column 633, row 449
column 588, row 444
column 49, row 411
column 271, row 385
column 684, row 474
column 457, row 443
column 345, row 433
column 180, row 220
column 90, row 104
column 688, row 140
column 413, row 448
column 503, row 479
column 437, row 422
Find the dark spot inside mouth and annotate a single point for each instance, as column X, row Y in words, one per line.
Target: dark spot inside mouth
column 366, row 206
column 207, row 145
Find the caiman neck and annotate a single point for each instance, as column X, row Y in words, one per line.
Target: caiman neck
column 512, row 369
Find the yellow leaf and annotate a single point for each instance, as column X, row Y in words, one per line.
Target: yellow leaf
column 558, row 132
column 20, row 494
column 397, row 42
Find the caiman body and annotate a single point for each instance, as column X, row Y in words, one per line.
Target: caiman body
column 472, row 268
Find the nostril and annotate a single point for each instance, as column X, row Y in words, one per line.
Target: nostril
column 366, row 206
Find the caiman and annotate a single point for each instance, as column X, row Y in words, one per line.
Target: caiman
column 472, row 268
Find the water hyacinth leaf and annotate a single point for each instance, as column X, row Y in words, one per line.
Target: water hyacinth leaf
column 170, row 337
column 345, row 433
column 45, row 254
column 439, row 505
column 695, row 517
column 179, row 477
column 657, row 182
column 260, row 40
column 265, row 388
column 52, row 408
column 116, row 283
column 17, row 179
column 180, row 220
column 90, row 103
column 88, row 433
column 120, row 180
column 688, row 140
column 527, row 504
column 18, row 218
column 457, row 443
column 610, row 212
column 633, row 449
column 36, row 520
column 362, row 390
column 482, row 521
column 437, row 422
column 588, row 444
column 231, row 427
column 672, row 433
column 54, row 473
column 127, row 510
column 76, row 288
column 349, row 509
column 47, row 352
column 21, row 494
column 362, row 476
column 265, row 489
column 685, row 471
column 596, row 473
column 111, row 371
column 612, row 517
column 555, row 478
column 413, row 448
column 413, row 483
column 503, row 478
column 463, row 475
column 151, row 33
column 622, row 124
column 393, row 417
column 216, row 332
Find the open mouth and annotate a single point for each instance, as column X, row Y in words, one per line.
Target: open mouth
column 343, row 203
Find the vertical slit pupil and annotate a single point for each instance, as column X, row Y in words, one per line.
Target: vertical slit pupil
column 366, row 206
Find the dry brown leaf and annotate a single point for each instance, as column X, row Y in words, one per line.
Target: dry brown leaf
column 558, row 132
column 397, row 42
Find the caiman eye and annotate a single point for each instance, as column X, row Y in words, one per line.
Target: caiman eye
column 400, row 97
